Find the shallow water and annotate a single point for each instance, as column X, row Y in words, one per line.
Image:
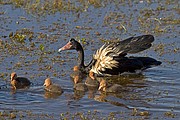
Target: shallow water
column 155, row 91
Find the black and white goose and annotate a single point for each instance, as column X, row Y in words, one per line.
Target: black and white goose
column 111, row 58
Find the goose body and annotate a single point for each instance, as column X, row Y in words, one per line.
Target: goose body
column 111, row 58
column 19, row 82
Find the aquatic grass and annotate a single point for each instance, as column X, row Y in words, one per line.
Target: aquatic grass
column 170, row 20
column 45, row 7
column 148, row 18
column 41, row 47
column 121, row 27
column 169, row 114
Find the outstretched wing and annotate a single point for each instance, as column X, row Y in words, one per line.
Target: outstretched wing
column 104, row 57
column 133, row 44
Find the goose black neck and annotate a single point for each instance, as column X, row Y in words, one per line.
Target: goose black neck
column 81, row 57
column 81, row 64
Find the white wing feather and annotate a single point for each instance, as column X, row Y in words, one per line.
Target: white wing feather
column 104, row 58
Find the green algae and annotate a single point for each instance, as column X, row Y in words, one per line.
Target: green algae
column 44, row 7
column 97, row 115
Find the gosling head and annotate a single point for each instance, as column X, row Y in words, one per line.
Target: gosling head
column 47, row 82
column 103, row 85
column 13, row 76
column 76, row 68
column 91, row 75
column 76, row 79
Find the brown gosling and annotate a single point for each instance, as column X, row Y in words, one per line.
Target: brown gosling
column 77, row 75
column 91, row 80
column 114, row 88
column 54, row 88
column 19, row 82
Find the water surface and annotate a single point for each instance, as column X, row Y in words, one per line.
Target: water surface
column 156, row 90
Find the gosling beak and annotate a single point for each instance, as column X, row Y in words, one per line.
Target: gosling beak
column 91, row 75
column 100, row 87
column 76, row 79
column 65, row 47
column 14, row 87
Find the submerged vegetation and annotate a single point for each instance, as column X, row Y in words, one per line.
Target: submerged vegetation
column 95, row 115
column 150, row 20
column 42, row 7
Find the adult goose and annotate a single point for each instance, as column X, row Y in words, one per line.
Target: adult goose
column 111, row 58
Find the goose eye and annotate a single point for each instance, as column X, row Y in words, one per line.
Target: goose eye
column 72, row 39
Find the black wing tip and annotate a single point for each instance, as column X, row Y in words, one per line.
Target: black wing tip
column 158, row 63
column 149, row 37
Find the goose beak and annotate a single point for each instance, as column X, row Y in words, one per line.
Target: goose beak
column 59, row 50
column 66, row 47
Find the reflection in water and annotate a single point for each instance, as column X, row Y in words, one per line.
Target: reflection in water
column 80, row 87
column 129, row 83
column 126, row 79
column 91, row 82
column 51, row 95
column 13, row 91
column 124, row 97
column 102, row 98
column 92, row 91
column 78, row 94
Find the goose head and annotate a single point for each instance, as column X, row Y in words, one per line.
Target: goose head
column 71, row 45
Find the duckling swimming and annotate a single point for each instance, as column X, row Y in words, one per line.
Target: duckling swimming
column 19, row 82
column 111, row 88
column 54, row 88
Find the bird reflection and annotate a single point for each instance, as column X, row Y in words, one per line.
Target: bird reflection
column 92, row 91
column 51, row 95
column 102, row 98
column 127, row 85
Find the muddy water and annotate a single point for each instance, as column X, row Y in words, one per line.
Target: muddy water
column 155, row 91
